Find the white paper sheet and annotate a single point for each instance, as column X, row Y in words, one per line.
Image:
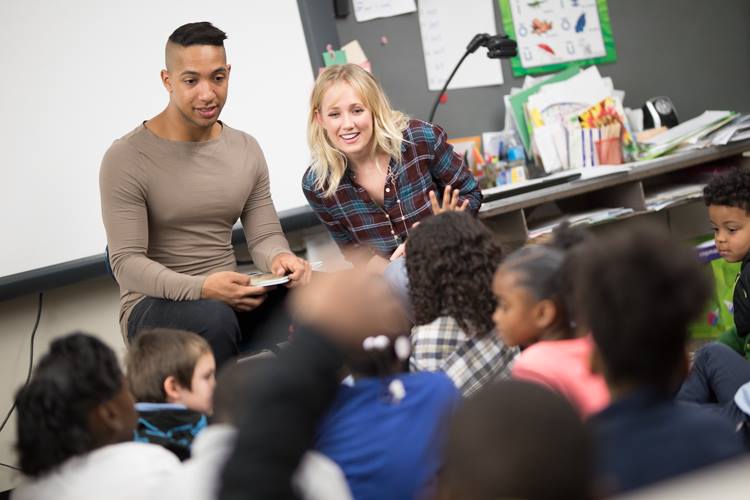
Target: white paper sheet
column 447, row 27
column 365, row 10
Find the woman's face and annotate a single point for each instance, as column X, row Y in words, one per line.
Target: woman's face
column 346, row 120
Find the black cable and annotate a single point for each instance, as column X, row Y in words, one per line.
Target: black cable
column 10, row 466
column 31, row 363
column 437, row 101
column 498, row 47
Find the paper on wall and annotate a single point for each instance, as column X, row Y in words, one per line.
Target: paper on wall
column 354, row 53
column 447, row 27
column 366, row 10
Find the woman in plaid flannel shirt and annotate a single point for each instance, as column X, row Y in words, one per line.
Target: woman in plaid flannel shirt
column 375, row 173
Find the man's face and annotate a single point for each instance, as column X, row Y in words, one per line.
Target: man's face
column 197, row 79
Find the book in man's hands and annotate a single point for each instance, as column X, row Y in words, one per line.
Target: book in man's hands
column 267, row 279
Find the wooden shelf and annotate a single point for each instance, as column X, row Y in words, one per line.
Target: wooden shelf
column 511, row 217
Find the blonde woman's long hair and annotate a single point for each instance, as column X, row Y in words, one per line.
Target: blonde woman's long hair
column 328, row 163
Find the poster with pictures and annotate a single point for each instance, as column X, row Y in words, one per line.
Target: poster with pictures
column 551, row 34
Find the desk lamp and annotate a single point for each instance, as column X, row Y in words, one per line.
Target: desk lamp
column 498, row 47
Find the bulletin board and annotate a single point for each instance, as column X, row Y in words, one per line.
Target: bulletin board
column 552, row 34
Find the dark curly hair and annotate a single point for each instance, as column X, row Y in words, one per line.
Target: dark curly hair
column 546, row 271
column 450, row 261
column 78, row 373
column 638, row 290
column 730, row 189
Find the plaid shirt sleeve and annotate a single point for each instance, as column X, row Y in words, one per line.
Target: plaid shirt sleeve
column 338, row 232
column 470, row 362
column 448, row 169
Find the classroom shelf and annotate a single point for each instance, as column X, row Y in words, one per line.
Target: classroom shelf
column 512, row 218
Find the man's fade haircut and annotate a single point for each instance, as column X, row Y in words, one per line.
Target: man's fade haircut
column 158, row 353
column 731, row 189
column 202, row 33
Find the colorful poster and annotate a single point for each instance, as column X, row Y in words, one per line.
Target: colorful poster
column 553, row 33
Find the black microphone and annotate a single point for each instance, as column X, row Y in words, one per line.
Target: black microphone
column 479, row 40
column 501, row 47
column 498, row 47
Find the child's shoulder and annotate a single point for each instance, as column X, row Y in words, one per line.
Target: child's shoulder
column 434, row 382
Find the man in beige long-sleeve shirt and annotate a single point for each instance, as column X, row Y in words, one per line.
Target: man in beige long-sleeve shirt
column 171, row 191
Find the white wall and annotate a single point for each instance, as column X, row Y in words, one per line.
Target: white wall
column 79, row 74
column 91, row 306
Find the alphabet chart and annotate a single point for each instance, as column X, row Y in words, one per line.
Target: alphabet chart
column 552, row 33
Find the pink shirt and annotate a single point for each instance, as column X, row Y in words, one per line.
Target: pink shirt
column 565, row 367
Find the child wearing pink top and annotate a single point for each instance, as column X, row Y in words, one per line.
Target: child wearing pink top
column 530, row 287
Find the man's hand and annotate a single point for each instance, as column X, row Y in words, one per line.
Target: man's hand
column 450, row 201
column 298, row 270
column 234, row 289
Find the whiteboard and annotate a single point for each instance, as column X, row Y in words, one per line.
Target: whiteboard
column 78, row 74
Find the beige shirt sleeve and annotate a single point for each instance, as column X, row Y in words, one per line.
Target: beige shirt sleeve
column 122, row 185
column 265, row 238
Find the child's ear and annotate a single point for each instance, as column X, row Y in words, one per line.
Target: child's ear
column 172, row 389
column 105, row 422
column 545, row 313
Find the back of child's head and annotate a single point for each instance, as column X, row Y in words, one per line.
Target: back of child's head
column 515, row 439
column 77, row 374
column 730, row 189
column 450, row 261
column 159, row 353
column 233, row 384
column 638, row 290
column 545, row 270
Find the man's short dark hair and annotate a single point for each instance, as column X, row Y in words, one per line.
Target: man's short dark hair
column 202, row 33
column 730, row 189
column 638, row 290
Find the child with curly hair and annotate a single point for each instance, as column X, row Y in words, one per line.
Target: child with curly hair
column 450, row 259
column 727, row 197
column 531, row 287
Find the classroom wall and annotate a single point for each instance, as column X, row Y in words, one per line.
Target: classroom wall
column 91, row 306
column 701, row 60
column 696, row 52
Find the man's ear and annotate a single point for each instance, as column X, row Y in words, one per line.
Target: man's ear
column 545, row 312
column 166, row 80
column 172, row 389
